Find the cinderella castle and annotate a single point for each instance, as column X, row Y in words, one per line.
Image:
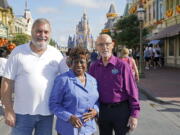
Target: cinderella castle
column 83, row 36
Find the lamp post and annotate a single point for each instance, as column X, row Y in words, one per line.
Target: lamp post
column 7, row 32
column 140, row 14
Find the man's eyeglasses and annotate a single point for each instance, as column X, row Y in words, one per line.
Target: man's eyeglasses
column 104, row 44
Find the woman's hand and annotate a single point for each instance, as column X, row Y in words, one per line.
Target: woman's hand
column 89, row 115
column 137, row 77
column 75, row 121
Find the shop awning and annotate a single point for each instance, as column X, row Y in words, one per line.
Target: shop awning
column 154, row 42
column 167, row 32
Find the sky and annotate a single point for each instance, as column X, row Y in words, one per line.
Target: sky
column 64, row 15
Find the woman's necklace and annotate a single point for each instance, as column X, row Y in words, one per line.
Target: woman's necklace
column 82, row 79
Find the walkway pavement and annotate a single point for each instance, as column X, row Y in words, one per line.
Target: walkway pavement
column 162, row 85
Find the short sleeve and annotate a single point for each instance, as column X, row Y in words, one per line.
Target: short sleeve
column 11, row 68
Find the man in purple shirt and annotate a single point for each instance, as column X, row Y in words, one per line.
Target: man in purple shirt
column 119, row 100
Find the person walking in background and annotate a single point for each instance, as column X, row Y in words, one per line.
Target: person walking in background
column 74, row 98
column 94, row 56
column 150, row 51
column 30, row 72
column 125, row 57
column 67, row 57
column 147, row 57
column 137, row 56
column 156, row 56
column 118, row 93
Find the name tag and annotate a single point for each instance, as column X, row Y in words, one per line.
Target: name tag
column 115, row 71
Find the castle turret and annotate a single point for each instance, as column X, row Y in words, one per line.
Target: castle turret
column 112, row 12
column 27, row 12
column 112, row 17
column 28, row 17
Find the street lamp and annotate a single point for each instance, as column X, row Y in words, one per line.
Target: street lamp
column 140, row 14
column 7, row 31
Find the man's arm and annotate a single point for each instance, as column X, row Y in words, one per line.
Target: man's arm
column 130, row 86
column 6, row 98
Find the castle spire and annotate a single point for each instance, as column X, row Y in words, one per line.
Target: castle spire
column 112, row 17
column 27, row 12
column 112, row 9
column 112, row 12
column 26, row 5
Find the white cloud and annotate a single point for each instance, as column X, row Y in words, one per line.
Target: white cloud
column 88, row 3
column 47, row 10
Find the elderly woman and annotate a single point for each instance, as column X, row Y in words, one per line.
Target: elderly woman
column 74, row 98
column 125, row 57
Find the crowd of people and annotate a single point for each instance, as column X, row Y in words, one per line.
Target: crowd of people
column 153, row 57
column 79, row 92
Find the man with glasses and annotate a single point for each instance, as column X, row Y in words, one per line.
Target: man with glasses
column 119, row 103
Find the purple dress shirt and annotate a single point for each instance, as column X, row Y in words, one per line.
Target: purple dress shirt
column 116, row 83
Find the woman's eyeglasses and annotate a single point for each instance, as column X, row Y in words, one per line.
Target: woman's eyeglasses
column 79, row 61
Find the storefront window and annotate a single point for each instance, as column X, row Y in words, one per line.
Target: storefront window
column 167, row 4
column 171, row 46
column 145, row 17
column 171, row 4
column 177, row 2
column 149, row 12
column 154, row 10
column 161, row 10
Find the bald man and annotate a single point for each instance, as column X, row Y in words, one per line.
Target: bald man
column 119, row 101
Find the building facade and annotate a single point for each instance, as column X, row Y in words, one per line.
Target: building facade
column 6, row 19
column 11, row 24
column 83, row 36
column 23, row 23
column 168, row 30
column 162, row 18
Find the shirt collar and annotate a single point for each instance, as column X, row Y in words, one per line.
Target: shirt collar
column 112, row 60
column 72, row 74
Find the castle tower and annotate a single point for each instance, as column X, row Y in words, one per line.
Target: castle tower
column 28, row 17
column 112, row 17
column 83, row 37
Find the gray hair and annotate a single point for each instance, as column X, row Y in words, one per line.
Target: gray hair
column 101, row 36
column 41, row 21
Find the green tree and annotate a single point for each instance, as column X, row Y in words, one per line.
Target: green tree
column 19, row 39
column 52, row 42
column 127, row 31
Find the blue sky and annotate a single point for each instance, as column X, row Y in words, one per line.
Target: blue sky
column 64, row 15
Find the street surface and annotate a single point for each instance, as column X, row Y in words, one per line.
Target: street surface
column 155, row 119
